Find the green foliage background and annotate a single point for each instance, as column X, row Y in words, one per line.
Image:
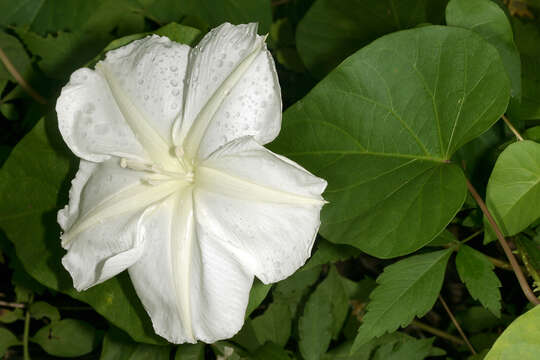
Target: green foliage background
column 395, row 102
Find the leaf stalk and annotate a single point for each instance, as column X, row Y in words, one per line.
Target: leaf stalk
column 511, row 258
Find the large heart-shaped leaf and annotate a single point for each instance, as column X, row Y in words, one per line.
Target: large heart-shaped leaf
column 520, row 340
column 382, row 128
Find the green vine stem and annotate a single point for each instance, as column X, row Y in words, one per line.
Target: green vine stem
column 26, row 333
column 511, row 258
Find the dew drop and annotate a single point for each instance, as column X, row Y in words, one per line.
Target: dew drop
column 174, row 82
column 173, row 68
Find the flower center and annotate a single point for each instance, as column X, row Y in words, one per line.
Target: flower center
column 157, row 174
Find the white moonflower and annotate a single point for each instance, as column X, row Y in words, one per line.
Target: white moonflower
column 175, row 185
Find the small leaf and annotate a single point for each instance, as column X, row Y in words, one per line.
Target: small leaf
column 413, row 349
column 274, row 325
column 332, row 289
column 406, row 289
column 9, row 316
column 271, row 351
column 476, row 272
column 7, row 339
column 118, row 346
column 327, row 252
column 66, row 338
column 291, row 290
column 190, row 352
column 443, row 239
column 533, row 133
column 41, row 309
column 520, row 341
column 486, row 18
column 257, row 295
column 315, row 327
column 514, row 187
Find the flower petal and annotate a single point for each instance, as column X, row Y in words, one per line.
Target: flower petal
column 151, row 72
column 91, row 123
column 261, row 204
column 233, row 91
column 138, row 89
column 102, row 221
column 192, row 289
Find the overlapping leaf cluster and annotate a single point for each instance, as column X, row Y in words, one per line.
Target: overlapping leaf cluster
column 395, row 103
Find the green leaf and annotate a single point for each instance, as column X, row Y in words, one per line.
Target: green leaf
column 514, row 187
column 413, row 349
column 234, row 11
column 406, row 289
column 7, row 339
column 327, row 252
column 527, row 37
column 66, row 338
column 291, row 290
column 274, row 325
column 190, row 352
column 391, row 346
column 333, row 30
column 476, row 271
column 257, row 294
column 60, row 54
column 315, row 327
column 477, row 319
column 533, row 133
column 271, row 351
column 19, row 13
column 530, row 102
column 382, row 127
column 520, row 341
column 63, row 53
column 487, row 19
column 118, row 346
column 34, row 182
column 9, row 316
column 445, row 238
column 333, row 291
column 41, row 309
column 17, row 56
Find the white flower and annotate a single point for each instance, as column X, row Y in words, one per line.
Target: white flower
column 174, row 184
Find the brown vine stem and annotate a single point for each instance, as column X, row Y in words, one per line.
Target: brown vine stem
column 437, row 332
column 20, row 80
column 458, row 327
column 11, row 304
column 511, row 258
column 512, row 128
